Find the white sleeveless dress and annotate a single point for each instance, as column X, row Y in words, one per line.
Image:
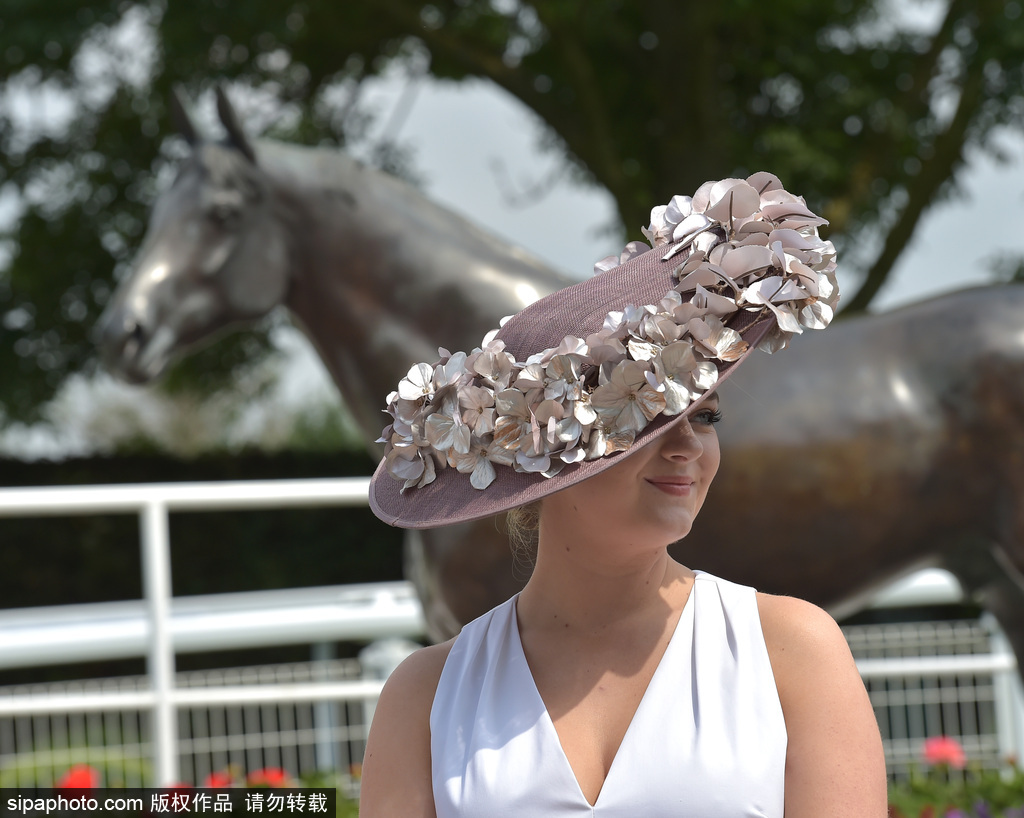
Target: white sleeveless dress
column 708, row 739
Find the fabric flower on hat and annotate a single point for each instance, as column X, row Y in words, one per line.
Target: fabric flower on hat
column 476, row 465
column 514, row 420
column 419, row 383
column 682, row 377
column 626, row 402
column 492, row 364
column 738, row 246
column 477, row 409
column 631, row 250
column 716, row 339
column 446, row 430
column 411, row 465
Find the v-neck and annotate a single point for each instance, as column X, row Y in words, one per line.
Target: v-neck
column 548, row 723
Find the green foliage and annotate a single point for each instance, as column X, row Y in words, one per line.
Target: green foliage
column 644, row 99
column 347, row 808
column 44, row 765
column 977, row 793
column 1008, row 267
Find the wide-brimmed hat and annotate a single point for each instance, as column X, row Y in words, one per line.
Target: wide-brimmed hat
column 583, row 377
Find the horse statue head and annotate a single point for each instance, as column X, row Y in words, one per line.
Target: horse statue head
column 376, row 275
column 215, row 255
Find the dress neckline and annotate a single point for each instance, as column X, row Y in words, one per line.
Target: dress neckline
column 547, row 723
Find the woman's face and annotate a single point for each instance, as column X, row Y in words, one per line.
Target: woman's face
column 651, row 498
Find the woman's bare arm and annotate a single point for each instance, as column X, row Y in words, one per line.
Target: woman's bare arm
column 835, row 767
column 396, row 765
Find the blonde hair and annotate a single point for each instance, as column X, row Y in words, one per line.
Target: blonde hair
column 522, row 525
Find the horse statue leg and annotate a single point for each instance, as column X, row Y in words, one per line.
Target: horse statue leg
column 988, row 575
column 1002, row 396
column 1004, row 596
column 461, row 572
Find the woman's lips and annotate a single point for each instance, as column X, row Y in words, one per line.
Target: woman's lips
column 676, row 486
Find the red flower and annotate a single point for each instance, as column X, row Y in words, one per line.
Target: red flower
column 218, row 779
column 268, row 777
column 79, row 777
column 944, row 750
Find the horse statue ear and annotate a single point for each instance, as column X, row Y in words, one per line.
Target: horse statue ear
column 181, row 119
column 236, row 136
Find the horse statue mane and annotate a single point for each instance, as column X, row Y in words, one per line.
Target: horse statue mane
column 889, row 443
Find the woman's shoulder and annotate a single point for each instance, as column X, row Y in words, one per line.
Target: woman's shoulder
column 801, row 638
column 811, row 660
column 404, row 704
column 419, row 672
column 396, row 765
column 822, row 698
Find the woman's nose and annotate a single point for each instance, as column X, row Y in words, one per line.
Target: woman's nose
column 681, row 442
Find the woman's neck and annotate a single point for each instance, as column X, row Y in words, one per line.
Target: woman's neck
column 600, row 583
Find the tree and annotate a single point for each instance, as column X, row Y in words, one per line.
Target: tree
column 869, row 119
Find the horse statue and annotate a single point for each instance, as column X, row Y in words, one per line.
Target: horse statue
column 888, row 443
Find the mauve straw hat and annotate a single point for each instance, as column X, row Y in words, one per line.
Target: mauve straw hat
column 579, row 379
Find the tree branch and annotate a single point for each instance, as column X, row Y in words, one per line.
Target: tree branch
column 948, row 153
column 478, row 62
column 912, row 103
column 600, row 146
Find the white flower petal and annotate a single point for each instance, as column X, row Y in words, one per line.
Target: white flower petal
column 740, row 261
column 816, row 315
column 731, row 200
column 677, row 397
column 418, row 383
column 573, row 455
column 705, row 376
column 533, row 464
column 763, row 182
column 678, row 208
column 690, row 227
column 483, row 475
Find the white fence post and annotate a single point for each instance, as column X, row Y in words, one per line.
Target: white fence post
column 378, row 660
column 325, row 712
column 1008, row 694
column 156, row 581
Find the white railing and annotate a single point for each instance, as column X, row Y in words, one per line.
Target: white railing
column 152, row 503
column 929, row 678
column 62, row 634
column 52, row 703
column 308, row 718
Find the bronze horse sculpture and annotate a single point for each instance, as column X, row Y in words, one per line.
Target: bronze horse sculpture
column 893, row 441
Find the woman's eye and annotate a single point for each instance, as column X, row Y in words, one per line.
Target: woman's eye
column 708, row 416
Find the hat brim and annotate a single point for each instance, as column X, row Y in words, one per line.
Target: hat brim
column 579, row 311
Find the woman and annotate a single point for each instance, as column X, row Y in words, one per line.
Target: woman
column 620, row 682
